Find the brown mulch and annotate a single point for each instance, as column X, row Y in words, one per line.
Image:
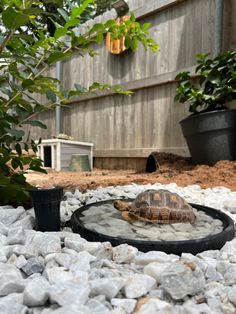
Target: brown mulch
column 172, row 168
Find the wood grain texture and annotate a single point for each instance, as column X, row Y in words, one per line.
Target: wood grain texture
column 124, row 127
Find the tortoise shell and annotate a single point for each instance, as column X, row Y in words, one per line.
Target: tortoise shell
column 161, row 206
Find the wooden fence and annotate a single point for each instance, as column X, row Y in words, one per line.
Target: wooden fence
column 125, row 130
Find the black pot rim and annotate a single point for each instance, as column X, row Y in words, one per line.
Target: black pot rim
column 197, row 115
column 55, row 188
column 176, row 247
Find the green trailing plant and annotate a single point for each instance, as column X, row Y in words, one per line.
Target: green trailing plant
column 214, row 86
column 27, row 50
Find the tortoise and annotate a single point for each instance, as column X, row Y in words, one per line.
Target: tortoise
column 159, row 206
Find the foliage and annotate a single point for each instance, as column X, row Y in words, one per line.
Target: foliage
column 215, row 85
column 103, row 5
column 27, row 50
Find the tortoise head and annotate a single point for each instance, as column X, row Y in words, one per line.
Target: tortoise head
column 121, row 205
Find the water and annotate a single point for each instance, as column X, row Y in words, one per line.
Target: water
column 107, row 220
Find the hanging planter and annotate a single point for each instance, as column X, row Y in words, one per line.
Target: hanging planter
column 116, row 46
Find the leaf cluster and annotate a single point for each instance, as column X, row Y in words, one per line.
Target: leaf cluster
column 215, row 85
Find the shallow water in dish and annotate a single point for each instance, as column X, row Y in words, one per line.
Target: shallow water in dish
column 107, row 220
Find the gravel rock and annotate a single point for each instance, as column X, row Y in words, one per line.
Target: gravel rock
column 36, row 291
column 13, row 304
column 68, row 292
column 34, row 265
column 124, row 253
column 106, row 286
column 10, row 279
column 9, row 216
column 180, row 280
column 154, row 256
column 139, row 285
column 46, row 244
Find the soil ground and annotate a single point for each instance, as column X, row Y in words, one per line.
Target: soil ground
column 172, row 168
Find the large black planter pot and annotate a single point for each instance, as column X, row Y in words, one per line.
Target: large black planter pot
column 46, row 204
column 211, row 136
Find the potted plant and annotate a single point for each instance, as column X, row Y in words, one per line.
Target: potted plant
column 210, row 130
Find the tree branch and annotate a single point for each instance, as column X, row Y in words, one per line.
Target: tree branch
column 6, row 40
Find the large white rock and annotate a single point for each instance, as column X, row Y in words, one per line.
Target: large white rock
column 77, row 245
column 46, row 243
column 13, row 304
column 67, row 292
column 127, row 304
column 107, row 286
column 3, row 240
column 180, row 280
column 230, row 205
column 3, row 229
column 228, row 252
column 27, row 222
column 81, row 262
column 97, row 307
column 56, row 275
column 232, row 295
column 156, row 269
column 16, row 235
column 230, row 275
column 139, row 285
column 10, row 279
column 9, row 216
column 104, row 251
column 18, row 261
column 154, row 256
column 63, row 259
column 124, row 253
column 36, row 292
column 26, row 250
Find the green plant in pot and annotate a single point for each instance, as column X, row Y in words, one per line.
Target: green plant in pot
column 210, row 130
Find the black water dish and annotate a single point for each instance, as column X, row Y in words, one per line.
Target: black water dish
column 210, row 130
column 211, row 242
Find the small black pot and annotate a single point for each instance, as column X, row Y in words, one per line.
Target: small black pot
column 47, row 208
column 211, row 136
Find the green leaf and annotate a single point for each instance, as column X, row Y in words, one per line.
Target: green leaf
column 36, row 123
column 18, row 149
column 110, row 23
column 97, row 27
column 72, row 23
column 63, row 14
column 13, row 19
column 51, row 95
column 146, row 26
column 60, row 31
column 17, row 133
column 77, row 11
column 95, row 85
column 4, row 180
column 80, row 88
column 26, row 83
column 16, row 163
column 56, row 56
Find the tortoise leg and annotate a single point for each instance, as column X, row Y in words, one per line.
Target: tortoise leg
column 127, row 216
column 121, row 205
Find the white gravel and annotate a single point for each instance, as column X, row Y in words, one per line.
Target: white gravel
column 60, row 272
